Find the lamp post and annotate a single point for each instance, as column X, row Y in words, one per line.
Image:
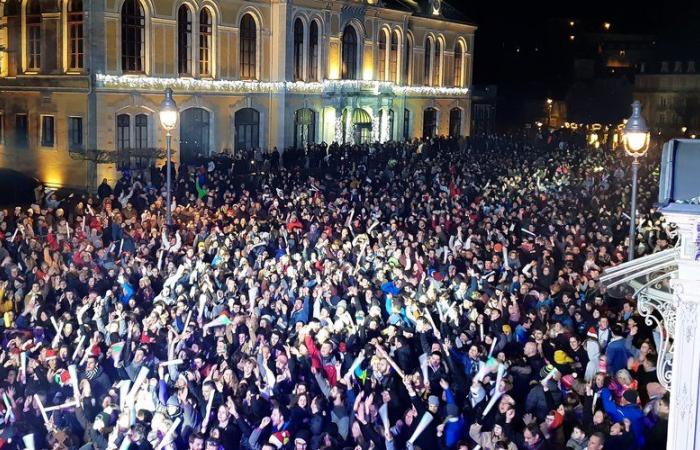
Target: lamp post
column 549, row 112
column 168, row 119
column 635, row 138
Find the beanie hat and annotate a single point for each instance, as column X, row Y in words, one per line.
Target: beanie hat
column 433, row 400
column 631, row 396
column 452, row 410
column 560, row 357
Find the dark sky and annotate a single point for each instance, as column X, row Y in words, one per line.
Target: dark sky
column 506, row 26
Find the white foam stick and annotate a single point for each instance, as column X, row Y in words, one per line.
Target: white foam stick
column 78, row 347
column 168, row 433
column 218, row 322
column 384, row 414
column 493, row 346
column 140, row 378
column 55, row 325
column 187, row 322
column 123, row 392
column 67, row 230
column 74, row 381
column 12, row 239
column 56, row 338
column 423, row 360
column 160, row 260
column 202, row 302
column 8, row 407
column 172, row 362
column 422, row 425
column 126, row 442
column 41, row 408
column 208, row 412
column 430, row 319
column 481, row 331
column 356, row 363
column 28, row 440
column 121, row 245
column 84, row 222
column 549, row 376
column 23, row 366
column 492, row 402
column 528, row 232
column 61, row 406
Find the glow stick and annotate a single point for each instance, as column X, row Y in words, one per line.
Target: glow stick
column 123, row 392
column 12, row 239
column 8, row 407
column 143, row 374
column 492, row 402
column 55, row 325
column 74, row 381
column 172, row 362
column 168, row 433
column 384, row 414
column 41, row 408
column 23, row 367
column 208, row 411
column 187, row 322
column 28, row 440
column 481, row 330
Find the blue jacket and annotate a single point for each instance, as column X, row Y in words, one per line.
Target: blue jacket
column 617, row 356
column 456, row 430
column 619, row 413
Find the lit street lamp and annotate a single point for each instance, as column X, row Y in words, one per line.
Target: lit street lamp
column 168, row 119
column 549, row 112
column 635, row 138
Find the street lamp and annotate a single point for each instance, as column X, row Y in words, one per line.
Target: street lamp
column 635, row 138
column 549, row 112
column 168, row 119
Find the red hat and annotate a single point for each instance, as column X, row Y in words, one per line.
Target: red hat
column 592, row 333
column 96, row 350
column 279, row 439
column 51, row 354
column 567, row 381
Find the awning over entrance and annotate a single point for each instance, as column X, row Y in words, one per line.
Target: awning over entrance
column 359, row 117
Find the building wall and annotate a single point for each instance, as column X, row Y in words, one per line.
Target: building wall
column 670, row 102
column 100, row 88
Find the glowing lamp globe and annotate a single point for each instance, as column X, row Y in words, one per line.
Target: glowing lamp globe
column 168, row 111
column 635, row 135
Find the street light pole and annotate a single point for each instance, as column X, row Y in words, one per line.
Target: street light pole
column 168, row 208
column 633, row 212
column 636, row 142
column 168, row 119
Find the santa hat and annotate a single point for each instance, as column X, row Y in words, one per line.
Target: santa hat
column 279, row 439
column 591, row 333
column 51, row 354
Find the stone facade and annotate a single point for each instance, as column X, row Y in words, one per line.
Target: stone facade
column 83, row 80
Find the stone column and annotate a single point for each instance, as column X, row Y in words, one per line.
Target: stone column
column 683, row 430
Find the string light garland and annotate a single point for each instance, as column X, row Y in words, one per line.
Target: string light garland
column 266, row 87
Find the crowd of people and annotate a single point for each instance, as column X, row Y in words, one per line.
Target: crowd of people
column 429, row 294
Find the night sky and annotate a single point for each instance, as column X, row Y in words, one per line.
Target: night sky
column 531, row 26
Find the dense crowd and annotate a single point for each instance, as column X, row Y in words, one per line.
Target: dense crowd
column 428, row 294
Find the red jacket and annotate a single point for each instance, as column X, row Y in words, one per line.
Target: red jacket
column 317, row 362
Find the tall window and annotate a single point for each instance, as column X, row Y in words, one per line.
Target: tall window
column 123, row 131
column 381, row 57
column 75, row 132
column 298, row 50
column 429, row 122
column 47, row 131
column 455, row 122
column 428, row 62
column 305, row 124
column 406, row 124
column 75, row 34
column 313, row 52
column 437, row 63
column 394, row 57
column 184, row 40
column 349, row 69
column 33, row 35
column 141, row 131
column 133, row 36
column 205, row 42
column 248, row 48
column 407, row 60
column 194, row 134
column 247, row 122
column 458, row 70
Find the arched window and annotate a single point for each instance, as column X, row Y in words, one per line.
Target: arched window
column 313, row 52
column 141, row 131
column 437, row 64
column 248, row 52
column 407, row 62
column 305, row 127
column 247, row 123
column 194, row 134
column 75, row 34
column 428, row 62
column 429, row 122
column 349, row 69
column 458, row 69
column 455, row 122
column 123, row 132
column 381, row 56
column 205, row 41
column 184, row 40
column 298, row 50
column 133, row 36
column 394, row 57
column 33, row 13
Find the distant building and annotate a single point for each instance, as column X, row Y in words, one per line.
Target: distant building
column 82, row 81
column 670, row 95
column 484, row 106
